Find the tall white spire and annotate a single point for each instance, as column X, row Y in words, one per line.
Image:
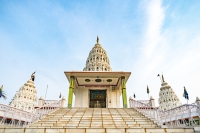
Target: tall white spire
column 97, row 59
column 26, row 97
column 167, row 97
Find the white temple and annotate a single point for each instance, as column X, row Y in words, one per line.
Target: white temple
column 26, row 98
column 97, row 91
column 167, row 98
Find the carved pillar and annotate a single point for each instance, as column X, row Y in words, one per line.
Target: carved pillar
column 71, row 90
column 124, row 98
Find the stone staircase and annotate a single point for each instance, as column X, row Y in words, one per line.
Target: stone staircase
column 95, row 120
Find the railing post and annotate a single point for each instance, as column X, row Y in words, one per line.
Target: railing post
column 63, row 102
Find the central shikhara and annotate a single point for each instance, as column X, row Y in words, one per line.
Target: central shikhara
column 97, row 59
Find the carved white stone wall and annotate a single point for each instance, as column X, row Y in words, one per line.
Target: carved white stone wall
column 97, row 59
column 167, row 97
column 26, row 97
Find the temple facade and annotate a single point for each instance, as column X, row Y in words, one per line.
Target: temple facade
column 97, row 86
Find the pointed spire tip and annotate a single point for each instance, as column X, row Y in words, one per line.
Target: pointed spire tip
column 97, row 39
column 163, row 80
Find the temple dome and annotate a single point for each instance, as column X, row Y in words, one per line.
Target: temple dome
column 97, row 59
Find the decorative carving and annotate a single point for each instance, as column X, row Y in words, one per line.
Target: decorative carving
column 167, row 98
column 97, row 59
column 26, row 97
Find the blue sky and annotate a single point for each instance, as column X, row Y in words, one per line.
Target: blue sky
column 143, row 37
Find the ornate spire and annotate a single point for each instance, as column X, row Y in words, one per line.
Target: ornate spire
column 97, row 40
column 26, row 97
column 97, row 59
column 167, row 97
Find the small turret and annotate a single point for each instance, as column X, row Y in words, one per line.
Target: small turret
column 152, row 101
column 197, row 101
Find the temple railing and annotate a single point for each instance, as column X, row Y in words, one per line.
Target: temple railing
column 46, row 109
column 187, row 115
column 49, row 102
column 11, row 116
column 145, row 109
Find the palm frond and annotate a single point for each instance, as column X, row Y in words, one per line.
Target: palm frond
column 4, row 95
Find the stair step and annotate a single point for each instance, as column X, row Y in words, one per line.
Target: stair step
column 87, row 129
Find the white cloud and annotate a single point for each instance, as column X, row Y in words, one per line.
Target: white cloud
column 152, row 51
column 173, row 50
column 155, row 18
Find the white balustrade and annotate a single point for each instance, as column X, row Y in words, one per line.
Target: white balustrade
column 144, row 101
column 181, row 116
column 12, row 116
column 46, row 109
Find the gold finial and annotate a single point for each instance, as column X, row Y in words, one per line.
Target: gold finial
column 163, row 78
column 97, row 40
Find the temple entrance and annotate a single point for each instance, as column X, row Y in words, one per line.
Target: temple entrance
column 97, row 99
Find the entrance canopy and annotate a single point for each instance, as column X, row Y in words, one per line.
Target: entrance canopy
column 97, row 88
column 96, row 79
